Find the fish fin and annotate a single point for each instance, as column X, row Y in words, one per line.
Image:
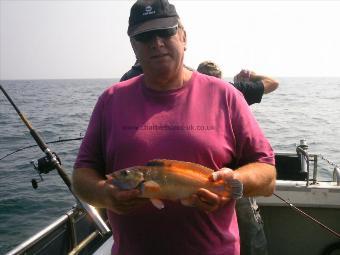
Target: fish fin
column 181, row 165
column 150, row 187
column 187, row 202
column 157, row 203
column 156, row 162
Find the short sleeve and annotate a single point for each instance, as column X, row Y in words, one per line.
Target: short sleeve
column 90, row 154
column 252, row 91
column 250, row 142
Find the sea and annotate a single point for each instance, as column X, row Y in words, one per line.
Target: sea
column 301, row 108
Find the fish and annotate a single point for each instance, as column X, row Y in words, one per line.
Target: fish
column 172, row 180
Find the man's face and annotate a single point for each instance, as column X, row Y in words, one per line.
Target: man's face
column 160, row 52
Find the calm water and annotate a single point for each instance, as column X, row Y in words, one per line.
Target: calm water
column 301, row 108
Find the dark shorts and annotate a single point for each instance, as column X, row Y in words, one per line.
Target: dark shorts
column 253, row 239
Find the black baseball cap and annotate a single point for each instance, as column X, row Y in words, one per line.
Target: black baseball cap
column 148, row 15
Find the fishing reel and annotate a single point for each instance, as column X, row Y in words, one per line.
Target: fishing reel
column 44, row 165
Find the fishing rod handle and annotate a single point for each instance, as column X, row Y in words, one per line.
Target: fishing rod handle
column 98, row 220
column 37, row 138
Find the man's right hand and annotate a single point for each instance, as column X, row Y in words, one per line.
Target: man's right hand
column 122, row 201
column 90, row 186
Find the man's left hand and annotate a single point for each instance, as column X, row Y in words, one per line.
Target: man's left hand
column 208, row 201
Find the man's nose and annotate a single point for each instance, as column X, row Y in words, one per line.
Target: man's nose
column 157, row 41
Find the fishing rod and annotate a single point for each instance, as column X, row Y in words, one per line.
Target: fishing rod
column 35, row 145
column 51, row 161
column 308, row 216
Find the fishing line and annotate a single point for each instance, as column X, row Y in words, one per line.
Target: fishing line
column 308, row 216
column 35, row 145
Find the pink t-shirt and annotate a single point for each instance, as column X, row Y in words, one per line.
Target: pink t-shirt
column 207, row 122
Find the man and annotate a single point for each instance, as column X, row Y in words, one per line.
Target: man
column 169, row 94
column 252, row 86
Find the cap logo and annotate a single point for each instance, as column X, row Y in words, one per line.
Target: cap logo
column 148, row 11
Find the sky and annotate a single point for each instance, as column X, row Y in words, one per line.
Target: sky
column 55, row 39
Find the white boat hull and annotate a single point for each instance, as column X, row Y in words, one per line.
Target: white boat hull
column 288, row 231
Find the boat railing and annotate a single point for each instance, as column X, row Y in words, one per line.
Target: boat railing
column 290, row 168
column 73, row 231
column 313, row 158
column 336, row 175
column 294, row 167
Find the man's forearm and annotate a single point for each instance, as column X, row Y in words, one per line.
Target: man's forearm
column 88, row 185
column 269, row 84
column 258, row 179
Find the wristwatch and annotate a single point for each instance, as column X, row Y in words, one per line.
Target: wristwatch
column 236, row 189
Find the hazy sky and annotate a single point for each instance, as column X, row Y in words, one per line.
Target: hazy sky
column 87, row 39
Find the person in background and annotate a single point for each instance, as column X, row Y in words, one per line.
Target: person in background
column 135, row 70
column 169, row 94
column 210, row 68
column 252, row 86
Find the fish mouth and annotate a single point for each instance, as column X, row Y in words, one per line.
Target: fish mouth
column 126, row 185
column 118, row 183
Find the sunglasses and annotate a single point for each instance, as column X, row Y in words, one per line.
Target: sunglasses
column 148, row 36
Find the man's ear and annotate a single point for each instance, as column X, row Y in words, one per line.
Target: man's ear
column 184, row 38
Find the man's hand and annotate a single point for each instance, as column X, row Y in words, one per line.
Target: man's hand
column 269, row 84
column 243, row 76
column 122, row 201
column 225, row 174
column 208, row 201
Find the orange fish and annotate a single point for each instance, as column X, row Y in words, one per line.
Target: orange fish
column 173, row 180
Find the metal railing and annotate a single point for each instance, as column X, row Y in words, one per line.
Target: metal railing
column 336, row 175
column 67, row 222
